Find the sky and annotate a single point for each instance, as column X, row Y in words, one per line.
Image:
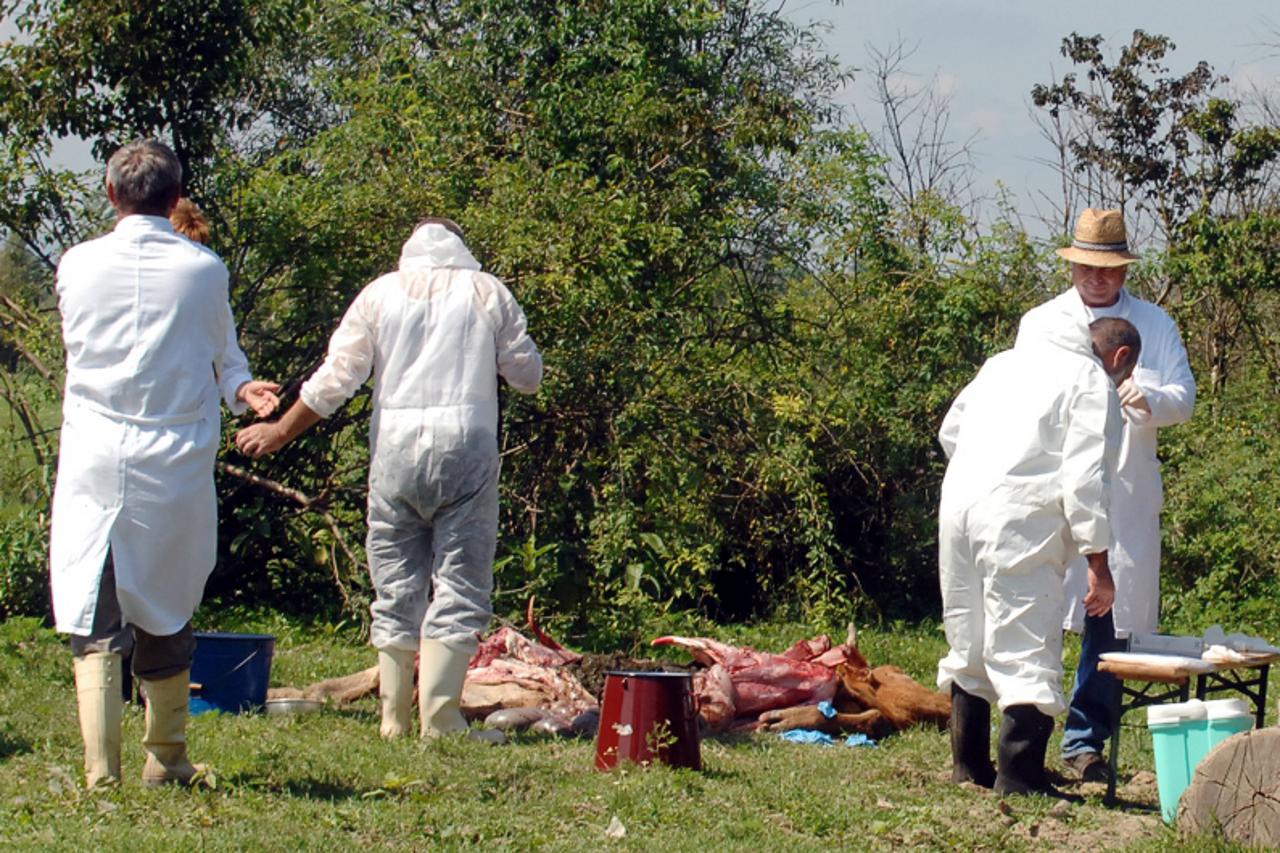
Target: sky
column 987, row 54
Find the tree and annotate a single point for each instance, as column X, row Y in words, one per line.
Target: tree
column 1175, row 154
column 198, row 74
column 930, row 174
column 1152, row 144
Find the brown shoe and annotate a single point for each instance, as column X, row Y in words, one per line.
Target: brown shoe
column 1089, row 766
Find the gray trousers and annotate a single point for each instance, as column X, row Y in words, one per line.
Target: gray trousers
column 154, row 657
column 433, row 528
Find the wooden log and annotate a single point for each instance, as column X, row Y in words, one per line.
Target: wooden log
column 1236, row 791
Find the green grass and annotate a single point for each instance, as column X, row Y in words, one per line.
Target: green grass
column 326, row 781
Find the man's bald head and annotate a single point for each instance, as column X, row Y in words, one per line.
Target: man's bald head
column 1116, row 341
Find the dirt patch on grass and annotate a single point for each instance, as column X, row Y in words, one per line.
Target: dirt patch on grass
column 1118, row 829
column 1089, row 825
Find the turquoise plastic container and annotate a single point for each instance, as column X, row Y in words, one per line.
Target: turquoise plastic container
column 1179, row 736
column 1224, row 718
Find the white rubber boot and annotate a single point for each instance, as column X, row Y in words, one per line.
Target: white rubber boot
column 395, row 688
column 165, row 738
column 442, row 668
column 98, row 678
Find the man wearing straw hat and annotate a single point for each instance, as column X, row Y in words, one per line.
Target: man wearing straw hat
column 1161, row 392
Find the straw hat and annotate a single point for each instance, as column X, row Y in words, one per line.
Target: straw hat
column 1099, row 240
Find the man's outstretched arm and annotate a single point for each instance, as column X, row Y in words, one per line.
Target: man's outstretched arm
column 258, row 440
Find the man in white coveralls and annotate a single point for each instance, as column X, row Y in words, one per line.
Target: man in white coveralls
column 436, row 334
column 150, row 348
column 1031, row 443
column 1161, row 392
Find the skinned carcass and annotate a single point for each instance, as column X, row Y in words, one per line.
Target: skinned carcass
column 510, row 671
column 741, row 682
column 874, row 702
column 745, row 688
column 509, row 682
column 507, row 671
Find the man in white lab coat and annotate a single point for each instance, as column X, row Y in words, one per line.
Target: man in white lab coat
column 1161, row 392
column 1031, row 443
column 436, row 334
column 150, row 348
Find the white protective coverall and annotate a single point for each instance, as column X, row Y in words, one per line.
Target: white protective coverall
column 436, row 334
column 150, row 344
column 1164, row 375
column 1031, row 442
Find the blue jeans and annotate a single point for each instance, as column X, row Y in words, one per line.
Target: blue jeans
column 1095, row 695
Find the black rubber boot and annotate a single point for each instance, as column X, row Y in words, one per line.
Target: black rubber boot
column 970, row 727
column 1024, row 738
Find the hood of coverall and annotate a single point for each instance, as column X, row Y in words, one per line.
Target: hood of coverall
column 1071, row 334
column 436, row 246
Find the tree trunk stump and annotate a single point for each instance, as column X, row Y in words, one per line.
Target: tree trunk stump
column 1236, row 790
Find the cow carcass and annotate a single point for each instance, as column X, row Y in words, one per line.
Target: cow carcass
column 511, row 671
column 743, row 688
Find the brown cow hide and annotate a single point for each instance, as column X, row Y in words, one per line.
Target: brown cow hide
column 873, row 701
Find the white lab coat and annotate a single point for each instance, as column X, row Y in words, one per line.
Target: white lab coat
column 1031, row 442
column 147, row 325
column 1164, row 375
column 436, row 334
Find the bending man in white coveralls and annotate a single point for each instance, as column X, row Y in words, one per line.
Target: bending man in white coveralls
column 436, row 334
column 1160, row 393
column 1032, row 441
column 150, row 347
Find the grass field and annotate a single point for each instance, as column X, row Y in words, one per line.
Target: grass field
column 325, row 781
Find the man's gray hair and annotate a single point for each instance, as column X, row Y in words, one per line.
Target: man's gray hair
column 1111, row 333
column 145, row 174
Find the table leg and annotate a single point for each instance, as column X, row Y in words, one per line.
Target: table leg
column 1117, row 711
column 1261, row 717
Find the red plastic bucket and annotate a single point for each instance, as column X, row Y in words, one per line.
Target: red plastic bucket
column 646, row 717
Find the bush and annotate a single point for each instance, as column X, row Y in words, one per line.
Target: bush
column 24, row 560
column 1221, row 561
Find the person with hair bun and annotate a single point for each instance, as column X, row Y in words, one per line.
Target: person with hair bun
column 189, row 221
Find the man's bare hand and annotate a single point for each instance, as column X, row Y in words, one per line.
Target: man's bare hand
column 257, row 440
column 260, row 395
column 1131, row 396
column 1101, row 595
column 1102, row 587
